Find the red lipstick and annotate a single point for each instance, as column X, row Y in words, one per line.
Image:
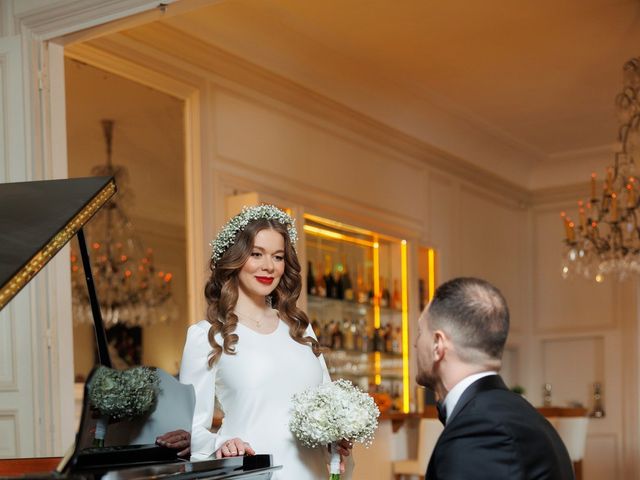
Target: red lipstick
column 265, row 280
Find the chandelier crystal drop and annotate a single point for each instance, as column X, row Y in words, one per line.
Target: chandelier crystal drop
column 130, row 289
column 605, row 240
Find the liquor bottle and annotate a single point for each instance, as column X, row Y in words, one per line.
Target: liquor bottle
column 311, row 280
column 361, row 291
column 347, row 287
column 337, row 337
column 366, row 340
column 386, row 337
column 349, row 329
column 326, row 335
column 358, row 329
column 337, row 282
column 396, row 340
column 396, row 299
column 321, row 287
column 385, row 296
column 328, row 279
column 377, row 340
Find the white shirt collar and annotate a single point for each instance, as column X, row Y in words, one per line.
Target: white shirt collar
column 451, row 400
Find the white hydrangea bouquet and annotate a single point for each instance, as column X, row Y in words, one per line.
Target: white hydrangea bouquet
column 116, row 395
column 330, row 412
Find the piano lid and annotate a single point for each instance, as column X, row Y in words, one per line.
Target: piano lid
column 37, row 219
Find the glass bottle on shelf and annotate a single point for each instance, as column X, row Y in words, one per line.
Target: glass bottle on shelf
column 355, row 273
column 361, row 291
column 347, row 287
column 311, row 280
column 337, row 282
column 328, row 279
column 321, row 286
column 385, row 296
column 396, row 298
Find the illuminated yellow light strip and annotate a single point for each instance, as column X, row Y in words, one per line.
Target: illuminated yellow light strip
column 376, row 285
column 349, row 228
column 335, row 235
column 376, row 366
column 431, row 255
column 405, row 326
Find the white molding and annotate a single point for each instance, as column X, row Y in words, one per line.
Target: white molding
column 581, row 153
column 215, row 65
column 8, row 357
column 11, row 415
column 4, row 124
column 318, row 201
column 56, row 19
column 548, row 197
column 130, row 70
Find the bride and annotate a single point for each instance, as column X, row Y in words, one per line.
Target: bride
column 256, row 347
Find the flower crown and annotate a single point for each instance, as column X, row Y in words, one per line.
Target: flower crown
column 227, row 235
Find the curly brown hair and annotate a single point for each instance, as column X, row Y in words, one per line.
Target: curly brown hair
column 221, row 291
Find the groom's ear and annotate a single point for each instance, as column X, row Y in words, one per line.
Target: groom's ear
column 438, row 348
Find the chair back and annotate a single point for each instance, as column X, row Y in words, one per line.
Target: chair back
column 573, row 432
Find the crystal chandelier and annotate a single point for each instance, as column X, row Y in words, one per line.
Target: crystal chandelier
column 130, row 289
column 605, row 241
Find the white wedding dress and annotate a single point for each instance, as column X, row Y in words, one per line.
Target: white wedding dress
column 254, row 388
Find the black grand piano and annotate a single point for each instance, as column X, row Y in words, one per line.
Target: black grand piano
column 36, row 220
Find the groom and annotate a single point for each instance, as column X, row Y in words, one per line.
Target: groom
column 490, row 432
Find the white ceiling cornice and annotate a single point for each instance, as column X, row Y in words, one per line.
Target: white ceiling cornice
column 170, row 48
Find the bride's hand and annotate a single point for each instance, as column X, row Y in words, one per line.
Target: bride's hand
column 234, row 447
column 344, row 449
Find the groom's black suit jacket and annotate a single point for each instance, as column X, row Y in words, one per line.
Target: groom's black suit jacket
column 495, row 434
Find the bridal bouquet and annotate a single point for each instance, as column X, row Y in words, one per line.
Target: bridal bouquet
column 117, row 395
column 330, row 412
column 123, row 394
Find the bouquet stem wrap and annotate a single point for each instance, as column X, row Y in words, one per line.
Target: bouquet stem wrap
column 334, row 463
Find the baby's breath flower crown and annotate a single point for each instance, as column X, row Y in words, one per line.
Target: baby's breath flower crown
column 227, row 235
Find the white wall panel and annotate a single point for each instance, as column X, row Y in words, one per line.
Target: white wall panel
column 274, row 142
column 560, row 304
column 7, row 350
column 601, row 458
column 442, row 223
column 9, row 437
column 493, row 246
column 571, row 366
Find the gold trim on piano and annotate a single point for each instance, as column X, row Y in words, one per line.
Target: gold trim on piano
column 41, row 258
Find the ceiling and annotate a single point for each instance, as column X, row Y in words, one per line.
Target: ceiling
column 512, row 86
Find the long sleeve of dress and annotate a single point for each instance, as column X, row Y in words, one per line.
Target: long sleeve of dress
column 195, row 370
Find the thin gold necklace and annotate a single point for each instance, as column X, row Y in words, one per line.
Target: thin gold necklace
column 258, row 321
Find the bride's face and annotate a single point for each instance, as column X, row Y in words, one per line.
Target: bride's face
column 262, row 271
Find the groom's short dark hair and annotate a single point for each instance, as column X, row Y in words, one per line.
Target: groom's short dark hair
column 474, row 313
